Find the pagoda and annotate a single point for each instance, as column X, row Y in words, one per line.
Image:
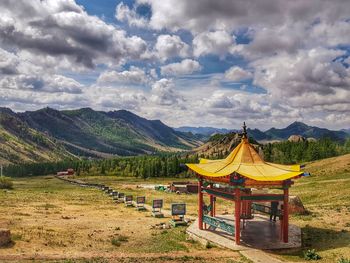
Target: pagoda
column 234, row 178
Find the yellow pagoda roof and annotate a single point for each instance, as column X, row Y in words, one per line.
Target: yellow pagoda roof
column 245, row 161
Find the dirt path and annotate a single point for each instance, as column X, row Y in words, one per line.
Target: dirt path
column 215, row 254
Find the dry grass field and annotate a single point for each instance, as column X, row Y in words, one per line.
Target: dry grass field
column 326, row 194
column 52, row 220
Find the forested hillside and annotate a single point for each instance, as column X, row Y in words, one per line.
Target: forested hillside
column 51, row 135
column 20, row 143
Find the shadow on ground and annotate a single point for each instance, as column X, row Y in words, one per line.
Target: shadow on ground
column 320, row 239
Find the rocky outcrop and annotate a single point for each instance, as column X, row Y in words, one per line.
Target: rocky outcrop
column 5, row 237
column 296, row 138
column 296, row 206
column 311, row 139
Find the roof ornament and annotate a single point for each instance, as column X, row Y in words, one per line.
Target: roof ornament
column 244, row 131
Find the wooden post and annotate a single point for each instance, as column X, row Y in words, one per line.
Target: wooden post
column 281, row 225
column 249, row 204
column 211, row 202
column 214, row 207
column 200, row 204
column 237, row 216
column 285, row 214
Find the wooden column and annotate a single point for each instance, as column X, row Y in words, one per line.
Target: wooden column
column 214, row 207
column 200, row 204
column 249, row 205
column 237, row 216
column 285, row 221
column 211, row 202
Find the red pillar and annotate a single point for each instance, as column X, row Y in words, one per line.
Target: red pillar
column 211, row 202
column 200, row 204
column 237, row 216
column 285, row 221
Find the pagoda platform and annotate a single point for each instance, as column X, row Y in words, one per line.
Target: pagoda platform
column 258, row 233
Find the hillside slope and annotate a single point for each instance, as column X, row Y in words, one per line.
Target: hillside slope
column 220, row 145
column 118, row 133
column 21, row 143
column 85, row 132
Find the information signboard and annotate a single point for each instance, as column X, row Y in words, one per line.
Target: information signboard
column 178, row 209
column 157, row 203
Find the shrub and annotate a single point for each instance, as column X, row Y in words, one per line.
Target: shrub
column 117, row 241
column 311, row 255
column 343, row 260
column 5, row 182
column 209, row 245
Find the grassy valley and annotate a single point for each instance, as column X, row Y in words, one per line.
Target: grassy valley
column 40, row 211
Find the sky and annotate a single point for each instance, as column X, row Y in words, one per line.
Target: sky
column 194, row 63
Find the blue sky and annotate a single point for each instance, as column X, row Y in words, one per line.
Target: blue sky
column 198, row 63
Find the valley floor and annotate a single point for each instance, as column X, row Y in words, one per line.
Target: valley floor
column 53, row 220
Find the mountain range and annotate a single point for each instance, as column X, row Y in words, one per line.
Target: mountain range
column 48, row 134
column 274, row 134
column 206, row 131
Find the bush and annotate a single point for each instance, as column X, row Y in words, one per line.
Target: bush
column 311, row 255
column 5, row 183
column 209, row 245
column 343, row 260
column 117, row 241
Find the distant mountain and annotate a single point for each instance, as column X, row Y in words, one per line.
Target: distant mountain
column 346, row 130
column 274, row 134
column 207, row 131
column 257, row 134
column 299, row 128
column 85, row 132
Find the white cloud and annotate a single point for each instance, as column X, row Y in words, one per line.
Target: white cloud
column 307, row 71
column 236, row 74
column 63, row 30
column 164, row 93
column 133, row 76
column 125, row 14
column 8, row 63
column 186, row 66
column 52, row 83
column 200, row 16
column 168, row 46
column 218, row 43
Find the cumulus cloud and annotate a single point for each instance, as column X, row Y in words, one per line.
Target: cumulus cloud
column 236, row 74
column 125, row 14
column 168, row 46
column 186, row 66
column 8, row 63
column 199, row 16
column 63, row 29
column 133, row 76
column 307, row 71
column 52, row 84
column 218, row 43
column 164, row 93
